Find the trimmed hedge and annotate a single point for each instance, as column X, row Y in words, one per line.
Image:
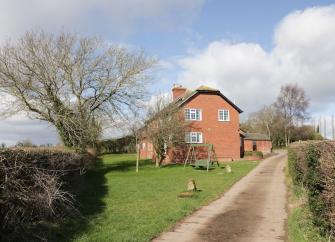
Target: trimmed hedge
column 312, row 165
column 33, row 190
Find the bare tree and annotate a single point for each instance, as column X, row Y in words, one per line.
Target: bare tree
column 267, row 121
column 132, row 125
column 292, row 105
column 72, row 82
column 263, row 120
column 165, row 127
column 135, row 126
column 282, row 121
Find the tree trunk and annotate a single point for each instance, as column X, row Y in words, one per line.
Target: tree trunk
column 268, row 129
column 157, row 161
column 161, row 160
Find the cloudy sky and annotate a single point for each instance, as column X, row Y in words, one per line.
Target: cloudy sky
column 247, row 49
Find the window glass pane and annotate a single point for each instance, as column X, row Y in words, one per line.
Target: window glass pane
column 193, row 114
column 187, row 138
column 187, row 114
column 226, row 115
column 193, row 138
column 223, row 115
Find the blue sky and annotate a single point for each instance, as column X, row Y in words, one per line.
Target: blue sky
column 252, row 21
column 247, row 49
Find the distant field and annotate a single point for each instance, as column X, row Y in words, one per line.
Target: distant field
column 121, row 205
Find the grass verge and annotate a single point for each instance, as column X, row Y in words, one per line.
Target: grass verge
column 299, row 225
column 119, row 204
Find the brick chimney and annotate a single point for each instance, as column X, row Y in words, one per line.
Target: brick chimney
column 178, row 91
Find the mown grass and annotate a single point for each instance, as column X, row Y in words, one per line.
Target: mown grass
column 119, row 204
column 300, row 226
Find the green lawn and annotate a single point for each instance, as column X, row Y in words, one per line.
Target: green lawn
column 119, row 204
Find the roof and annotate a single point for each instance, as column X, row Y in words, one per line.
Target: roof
column 189, row 94
column 256, row 136
column 206, row 88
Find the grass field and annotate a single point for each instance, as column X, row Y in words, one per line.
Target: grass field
column 119, row 204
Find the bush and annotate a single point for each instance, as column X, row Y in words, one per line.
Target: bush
column 312, row 165
column 117, row 146
column 32, row 190
column 254, row 153
column 297, row 162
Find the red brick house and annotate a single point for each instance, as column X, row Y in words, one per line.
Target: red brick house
column 212, row 119
column 257, row 142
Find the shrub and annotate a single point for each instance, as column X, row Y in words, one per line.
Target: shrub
column 254, row 153
column 297, row 162
column 117, row 146
column 312, row 164
column 32, row 190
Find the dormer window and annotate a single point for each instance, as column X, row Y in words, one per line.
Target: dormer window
column 223, row 115
column 193, row 114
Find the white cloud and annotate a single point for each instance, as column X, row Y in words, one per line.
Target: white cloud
column 102, row 17
column 19, row 127
column 95, row 17
column 303, row 53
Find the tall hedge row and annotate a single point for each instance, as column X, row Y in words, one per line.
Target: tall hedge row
column 117, row 146
column 33, row 190
column 312, row 165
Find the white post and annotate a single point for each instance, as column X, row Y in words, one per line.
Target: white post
column 137, row 156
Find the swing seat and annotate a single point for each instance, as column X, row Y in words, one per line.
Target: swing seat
column 201, row 163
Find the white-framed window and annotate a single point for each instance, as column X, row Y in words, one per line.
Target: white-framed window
column 193, row 114
column 223, row 115
column 193, row 137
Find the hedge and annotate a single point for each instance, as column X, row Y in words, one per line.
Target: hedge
column 312, row 165
column 117, row 146
column 33, row 190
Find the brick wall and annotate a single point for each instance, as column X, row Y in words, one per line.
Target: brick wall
column 264, row 146
column 224, row 135
column 146, row 149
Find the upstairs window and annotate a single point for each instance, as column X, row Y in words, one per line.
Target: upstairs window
column 193, row 114
column 193, row 137
column 223, row 115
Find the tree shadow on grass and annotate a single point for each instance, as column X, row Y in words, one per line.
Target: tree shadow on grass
column 125, row 165
column 89, row 190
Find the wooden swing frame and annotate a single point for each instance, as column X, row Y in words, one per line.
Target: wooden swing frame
column 191, row 156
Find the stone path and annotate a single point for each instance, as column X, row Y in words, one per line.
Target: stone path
column 254, row 209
